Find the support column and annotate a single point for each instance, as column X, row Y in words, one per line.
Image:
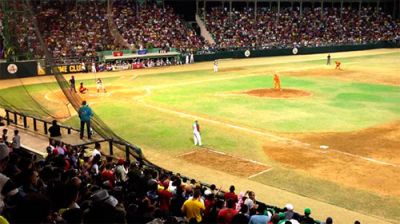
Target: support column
column 301, row 8
column 377, row 5
column 230, row 11
column 204, row 11
column 322, row 8
column 197, row 7
column 255, row 9
column 359, row 6
column 398, row 6
column 341, row 8
column 279, row 7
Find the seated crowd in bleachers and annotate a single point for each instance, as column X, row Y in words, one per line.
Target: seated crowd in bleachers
column 68, row 29
column 154, row 26
column 85, row 186
column 78, row 30
column 315, row 27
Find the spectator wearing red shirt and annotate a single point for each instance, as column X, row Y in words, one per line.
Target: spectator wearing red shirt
column 231, row 195
column 107, row 176
column 209, row 202
column 226, row 215
column 164, row 197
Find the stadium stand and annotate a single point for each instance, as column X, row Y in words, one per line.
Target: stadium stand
column 70, row 31
column 78, row 31
column 153, row 26
column 290, row 28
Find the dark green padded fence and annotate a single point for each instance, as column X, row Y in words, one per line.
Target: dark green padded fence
column 287, row 51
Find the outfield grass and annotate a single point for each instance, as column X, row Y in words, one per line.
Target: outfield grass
column 357, row 200
column 337, row 104
column 332, row 107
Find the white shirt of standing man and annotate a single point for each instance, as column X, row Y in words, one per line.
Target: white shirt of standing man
column 196, row 133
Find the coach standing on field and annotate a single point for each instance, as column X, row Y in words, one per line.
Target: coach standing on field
column 85, row 113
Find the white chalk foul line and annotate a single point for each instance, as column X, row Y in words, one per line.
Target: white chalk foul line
column 181, row 114
column 262, row 172
column 269, row 135
column 187, row 153
column 364, row 158
column 224, row 154
column 266, row 134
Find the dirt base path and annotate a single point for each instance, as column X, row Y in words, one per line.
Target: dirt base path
column 368, row 159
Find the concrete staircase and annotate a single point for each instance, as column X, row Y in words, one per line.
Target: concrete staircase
column 118, row 39
column 203, row 30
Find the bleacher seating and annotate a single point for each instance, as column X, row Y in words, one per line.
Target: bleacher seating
column 289, row 28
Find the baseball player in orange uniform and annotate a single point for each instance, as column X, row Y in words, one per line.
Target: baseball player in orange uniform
column 277, row 82
column 337, row 65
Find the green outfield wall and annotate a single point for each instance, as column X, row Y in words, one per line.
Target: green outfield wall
column 290, row 51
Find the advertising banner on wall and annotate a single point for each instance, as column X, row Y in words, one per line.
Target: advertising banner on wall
column 10, row 70
column 66, row 69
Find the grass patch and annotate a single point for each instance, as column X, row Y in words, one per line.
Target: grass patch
column 333, row 193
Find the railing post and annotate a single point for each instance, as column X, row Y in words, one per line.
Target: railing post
column 69, row 131
column 15, row 118
column 25, row 122
column 45, row 127
column 8, row 117
column 127, row 148
column 110, row 145
column 34, row 124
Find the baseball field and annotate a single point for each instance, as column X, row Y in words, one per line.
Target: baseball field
column 330, row 140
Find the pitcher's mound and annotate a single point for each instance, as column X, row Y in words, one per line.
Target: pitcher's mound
column 274, row 93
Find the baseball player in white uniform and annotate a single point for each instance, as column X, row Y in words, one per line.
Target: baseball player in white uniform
column 216, row 66
column 187, row 59
column 99, row 85
column 196, row 133
column 94, row 67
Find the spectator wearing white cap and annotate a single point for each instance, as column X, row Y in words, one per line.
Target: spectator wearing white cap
column 289, row 213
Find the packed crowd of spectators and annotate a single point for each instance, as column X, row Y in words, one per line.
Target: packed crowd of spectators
column 76, row 30
column 68, row 29
column 315, row 27
column 154, row 26
column 83, row 185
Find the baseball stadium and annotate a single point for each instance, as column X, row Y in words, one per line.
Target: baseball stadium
column 200, row 111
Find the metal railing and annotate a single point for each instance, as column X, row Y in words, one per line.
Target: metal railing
column 12, row 118
column 40, row 126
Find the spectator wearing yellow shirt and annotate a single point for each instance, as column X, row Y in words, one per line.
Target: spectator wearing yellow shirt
column 193, row 208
